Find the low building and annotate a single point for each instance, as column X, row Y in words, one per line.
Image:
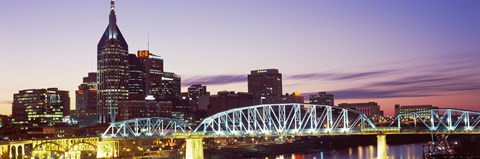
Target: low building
column 225, row 100
column 322, row 98
column 400, row 109
column 295, row 97
column 83, row 117
column 5, row 121
column 370, row 109
column 143, row 109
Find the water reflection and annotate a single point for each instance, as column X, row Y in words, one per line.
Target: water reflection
column 407, row 151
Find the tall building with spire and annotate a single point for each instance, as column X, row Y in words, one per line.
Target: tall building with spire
column 112, row 70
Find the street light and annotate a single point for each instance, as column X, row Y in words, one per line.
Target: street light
column 261, row 100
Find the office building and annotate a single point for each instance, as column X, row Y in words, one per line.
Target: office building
column 83, row 118
column 322, row 98
column 40, row 107
column 5, row 121
column 112, row 69
column 91, row 80
column 85, row 112
column 153, row 69
column 136, row 78
column 143, row 109
column 399, row 109
column 171, row 86
column 294, row 97
column 265, row 85
column 86, row 98
column 86, row 95
column 225, row 100
column 192, row 100
column 194, row 92
column 370, row 109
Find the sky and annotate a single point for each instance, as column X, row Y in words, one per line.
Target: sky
column 391, row 52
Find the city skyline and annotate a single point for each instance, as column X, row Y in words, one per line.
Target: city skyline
column 395, row 53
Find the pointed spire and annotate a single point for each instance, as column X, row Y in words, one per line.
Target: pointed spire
column 112, row 21
column 112, row 5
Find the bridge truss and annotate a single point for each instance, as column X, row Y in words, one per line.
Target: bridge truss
column 154, row 126
column 440, row 119
column 284, row 119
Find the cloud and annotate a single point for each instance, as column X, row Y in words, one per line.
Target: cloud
column 353, row 76
column 419, row 87
column 338, row 76
column 215, row 80
column 412, row 80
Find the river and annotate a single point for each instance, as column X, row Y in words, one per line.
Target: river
column 404, row 151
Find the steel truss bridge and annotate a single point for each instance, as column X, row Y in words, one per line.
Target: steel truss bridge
column 299, row 119
column 254, row 121
column 296, row 119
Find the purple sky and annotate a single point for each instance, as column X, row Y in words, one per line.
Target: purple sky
column 392, row 52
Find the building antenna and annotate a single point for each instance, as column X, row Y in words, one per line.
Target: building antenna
column 148, row 42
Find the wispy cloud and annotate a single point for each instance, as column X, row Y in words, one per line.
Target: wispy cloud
column 215, row 80
column 415, row 86
column 338, row 76
column 429, row 76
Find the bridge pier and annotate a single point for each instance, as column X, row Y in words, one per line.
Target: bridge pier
column 194, row 147
column 381, row 146
column 193, row 144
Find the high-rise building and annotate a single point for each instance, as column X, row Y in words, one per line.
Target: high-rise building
column 40, row 107
column 265, row 85
column 86, row 95
column 85, row 112
column 171, row 86
column 322, row 98
column 136, row 78
column 370, row 109
column 153, row 69
column 112, row 69
column 194, row 92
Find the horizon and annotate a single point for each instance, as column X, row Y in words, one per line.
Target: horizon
column 407, row 53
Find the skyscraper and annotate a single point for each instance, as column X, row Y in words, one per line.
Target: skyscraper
column 153, row 68
column 136, row 78
column 266, row 85
column 171, row 86
column 112, row 69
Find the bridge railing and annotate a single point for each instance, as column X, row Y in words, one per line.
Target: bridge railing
column 284, row 119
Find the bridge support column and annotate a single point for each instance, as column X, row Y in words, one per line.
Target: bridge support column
column 194, row 147
column 381, row 146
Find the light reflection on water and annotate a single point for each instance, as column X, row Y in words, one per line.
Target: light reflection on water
column 406, row 151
